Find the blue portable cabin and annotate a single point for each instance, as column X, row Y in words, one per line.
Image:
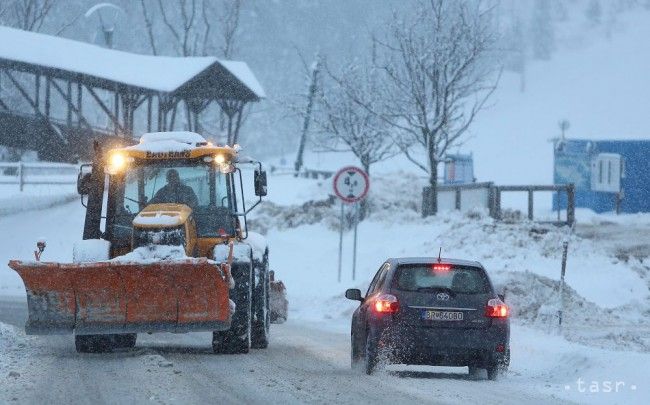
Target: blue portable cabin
column 604, row 172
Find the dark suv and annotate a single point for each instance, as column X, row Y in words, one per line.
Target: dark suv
column 431, row 311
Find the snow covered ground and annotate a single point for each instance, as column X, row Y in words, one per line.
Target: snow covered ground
column 605, row 340
column 34, row 197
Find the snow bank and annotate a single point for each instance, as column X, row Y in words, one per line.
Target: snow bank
column 241, row 252
column 258, row 244
column 13, row 350
column 152, row 254
column 13, row 202
column 157, row 218
column 91, row 250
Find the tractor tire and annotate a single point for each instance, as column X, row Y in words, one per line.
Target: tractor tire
column 237, row 339
column 261, row 322
column 94, row 343
column 126, row 341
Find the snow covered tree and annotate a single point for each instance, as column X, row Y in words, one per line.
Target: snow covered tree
column 439, row 75
column 542, row 32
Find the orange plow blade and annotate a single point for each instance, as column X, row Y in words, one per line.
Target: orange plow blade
column 111, row 297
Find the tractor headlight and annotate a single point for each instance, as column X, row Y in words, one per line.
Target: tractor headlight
column 219, row 159
column 116, row 163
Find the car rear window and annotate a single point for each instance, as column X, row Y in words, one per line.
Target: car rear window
column 458, row 279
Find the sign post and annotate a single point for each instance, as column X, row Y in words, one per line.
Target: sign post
column 351, row 185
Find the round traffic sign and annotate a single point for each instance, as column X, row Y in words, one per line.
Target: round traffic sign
column 351, row 184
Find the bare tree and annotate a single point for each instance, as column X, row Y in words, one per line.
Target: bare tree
column 229, row 25
column 347, row 120
column 188, row 25
column 29, row 15
column 439, row 76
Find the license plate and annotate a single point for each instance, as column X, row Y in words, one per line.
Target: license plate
column 442, row 316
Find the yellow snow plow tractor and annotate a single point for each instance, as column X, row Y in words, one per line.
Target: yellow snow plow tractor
column 166, row 249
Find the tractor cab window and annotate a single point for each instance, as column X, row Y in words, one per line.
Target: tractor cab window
column 190, row 185
column 201, row 187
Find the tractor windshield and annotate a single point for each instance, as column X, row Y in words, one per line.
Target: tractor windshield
column 189, row 185
column 198, row 186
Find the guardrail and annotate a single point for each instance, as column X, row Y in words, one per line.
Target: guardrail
column 38, row 173
column 487, row 195
column 569, row 189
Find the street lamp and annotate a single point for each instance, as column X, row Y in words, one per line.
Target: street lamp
column 107, row 14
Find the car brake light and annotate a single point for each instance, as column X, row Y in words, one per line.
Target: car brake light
column 496, row 308
column 441, row 267
column 386, row 304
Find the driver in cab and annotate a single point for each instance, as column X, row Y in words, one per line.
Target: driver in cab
column 175, row 192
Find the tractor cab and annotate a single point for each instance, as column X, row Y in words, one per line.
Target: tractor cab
column 172, row 188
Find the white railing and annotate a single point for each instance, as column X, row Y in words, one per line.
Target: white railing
column 38, row 173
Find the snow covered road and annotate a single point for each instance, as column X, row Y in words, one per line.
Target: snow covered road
column 308, row 358
column 302, row 365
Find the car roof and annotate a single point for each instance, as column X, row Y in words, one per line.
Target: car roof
column 432, row 260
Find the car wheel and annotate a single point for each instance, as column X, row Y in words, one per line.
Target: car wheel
column 355, row 355
column 493, row 372
column 474, row 371
column 371, row 356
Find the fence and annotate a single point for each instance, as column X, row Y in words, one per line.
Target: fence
column 487, row 195
column 38, row 173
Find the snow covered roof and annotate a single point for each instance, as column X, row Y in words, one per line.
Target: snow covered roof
column 103, row 67
column 191, row 138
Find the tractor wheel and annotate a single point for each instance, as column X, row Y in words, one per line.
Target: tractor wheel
column 262, row 319
column 237, row 339
column 126, row 341
column 94, row 343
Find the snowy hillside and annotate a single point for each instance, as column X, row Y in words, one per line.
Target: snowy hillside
column 601, row 86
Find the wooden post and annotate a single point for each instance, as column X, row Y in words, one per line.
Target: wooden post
column 457, row 198
column 79, row 102
column 497, row 202
column 117, row 113
column 48, row 82
column 530, row 204
column 69, row 115
column 21, row 176
column 37, row 90
column 571, row 204
column 149, row 113
column 565, row 248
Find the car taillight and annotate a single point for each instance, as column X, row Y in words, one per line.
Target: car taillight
column 386, row 304
column 496, row 308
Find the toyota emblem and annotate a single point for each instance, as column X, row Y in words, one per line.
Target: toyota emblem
column 442, row 297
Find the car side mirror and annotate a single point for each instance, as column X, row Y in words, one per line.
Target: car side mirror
column 353, row 294
column 260, row 183
column 84, row 183
column 502, row 297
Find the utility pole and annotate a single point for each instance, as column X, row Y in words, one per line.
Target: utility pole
column 311, row 95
